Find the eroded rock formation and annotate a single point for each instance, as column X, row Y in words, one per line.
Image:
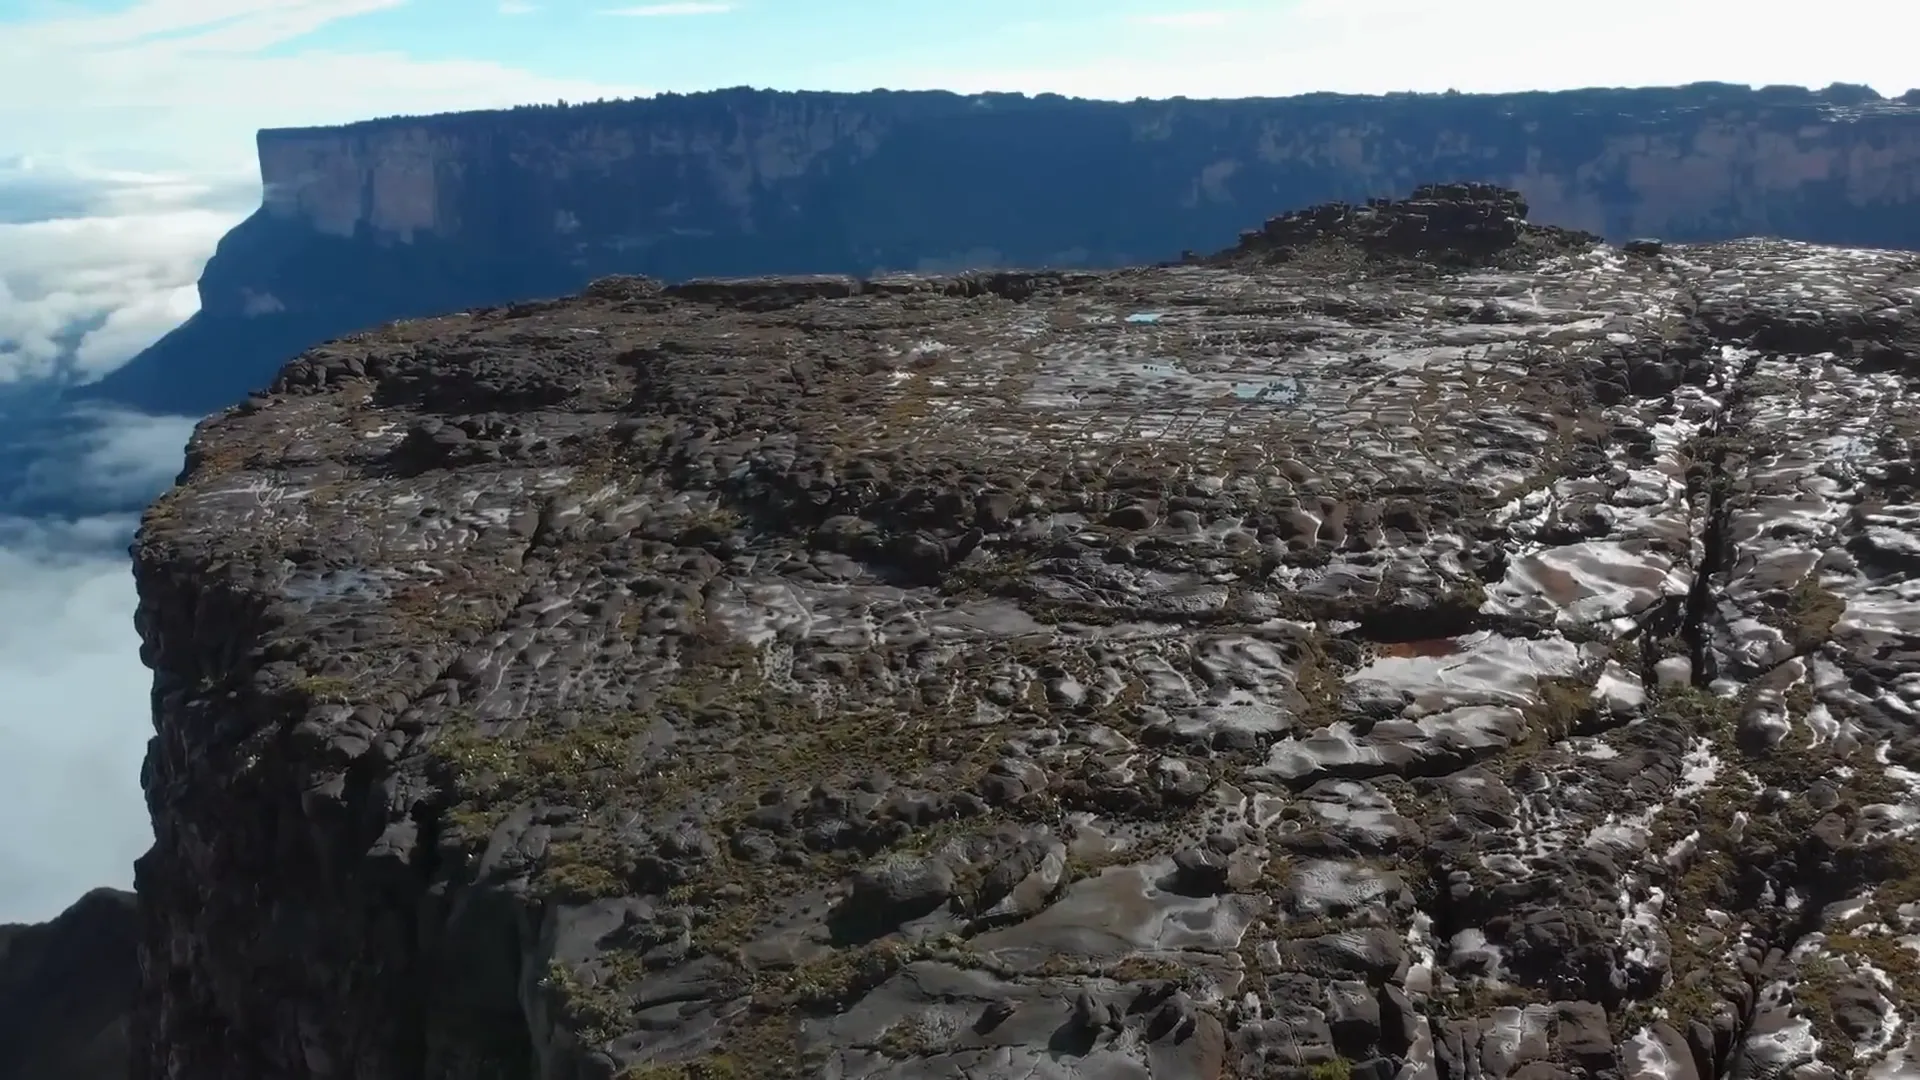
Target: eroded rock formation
column 1370, row 652
column 415, row 216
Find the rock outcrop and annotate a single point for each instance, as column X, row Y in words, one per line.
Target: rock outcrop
column 419, row 216
column 67, row 989
column 1376, row 651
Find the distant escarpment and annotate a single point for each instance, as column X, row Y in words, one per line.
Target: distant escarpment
column 414, row 216
column 1412, row 643
column 67, row 991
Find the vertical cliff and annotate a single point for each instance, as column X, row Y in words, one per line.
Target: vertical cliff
column 412, row 216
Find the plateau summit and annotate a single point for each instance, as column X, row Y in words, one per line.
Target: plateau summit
column 1411, row 642
column 418, row 216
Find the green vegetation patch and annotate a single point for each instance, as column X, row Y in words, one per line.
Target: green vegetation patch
column 1337, row 1069
column 325, row 689
column 1807, row 615
column 584, row 763
column 1560, row 707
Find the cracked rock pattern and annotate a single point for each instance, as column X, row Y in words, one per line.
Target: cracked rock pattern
column 1413, row 644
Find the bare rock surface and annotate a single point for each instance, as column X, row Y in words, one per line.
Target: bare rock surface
column 1411, row 645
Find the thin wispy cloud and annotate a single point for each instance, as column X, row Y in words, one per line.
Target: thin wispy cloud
column 199, row 25
column 651, row 11
column 1304, row 46
column 1184, row 20
column 191, row 80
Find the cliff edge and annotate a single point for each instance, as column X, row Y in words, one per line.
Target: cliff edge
column 409, row 217
column 1411, row 640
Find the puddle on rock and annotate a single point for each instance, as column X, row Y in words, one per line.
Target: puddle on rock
column 1285, row 391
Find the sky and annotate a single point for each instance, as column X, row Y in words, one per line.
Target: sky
column 126, row 151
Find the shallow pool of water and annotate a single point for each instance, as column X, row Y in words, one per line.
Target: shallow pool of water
column 1285, row 391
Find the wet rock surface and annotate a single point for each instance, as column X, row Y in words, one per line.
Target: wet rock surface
column 1435, row 666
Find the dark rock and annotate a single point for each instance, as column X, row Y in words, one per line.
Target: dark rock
column 67, row 991
column 1456, row 648
column 903, row 887
column 1448, row 225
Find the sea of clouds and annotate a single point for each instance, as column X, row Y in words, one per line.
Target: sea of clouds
column 94, row 266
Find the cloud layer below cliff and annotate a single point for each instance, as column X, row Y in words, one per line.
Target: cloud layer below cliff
column 93, row 266
column 76, row 718
column 125, row 154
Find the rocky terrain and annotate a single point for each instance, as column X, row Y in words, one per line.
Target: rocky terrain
column 416, row 216
column 67, row 988
column 1412, row 643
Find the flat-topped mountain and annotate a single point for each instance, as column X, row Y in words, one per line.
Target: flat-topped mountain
column 1411, row 643
column 417, row 216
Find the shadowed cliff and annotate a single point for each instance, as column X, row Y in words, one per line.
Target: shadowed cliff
column 66, row 988
column 405, row 217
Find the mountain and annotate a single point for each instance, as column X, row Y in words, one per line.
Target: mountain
column 1410, row 642
column 409, row 217
column 67, row 989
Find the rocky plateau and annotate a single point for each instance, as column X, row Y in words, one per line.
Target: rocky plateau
column 416, row 216
column 1413, row 644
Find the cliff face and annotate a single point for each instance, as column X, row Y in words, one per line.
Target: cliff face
column 67, row 990
column 1411, row 643
column 408, row 217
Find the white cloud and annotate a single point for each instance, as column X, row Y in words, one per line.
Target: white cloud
column 76, row 711
column 1184, row 19
column 189, row 79
column 650, row 11
column 123, row 458
column 96, row 262
column 1380, row 46
column 93, row 265
column 75, row 722
column 122, row 265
